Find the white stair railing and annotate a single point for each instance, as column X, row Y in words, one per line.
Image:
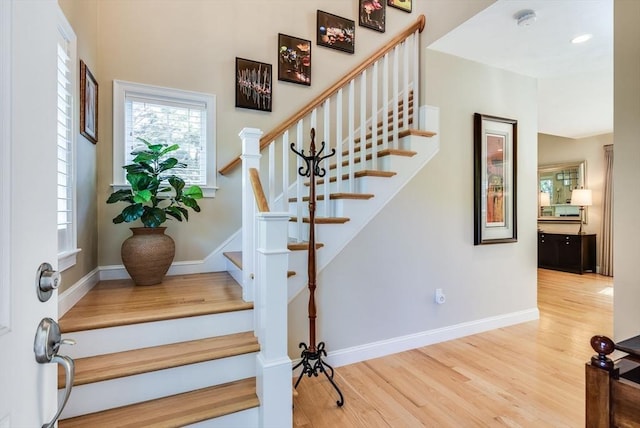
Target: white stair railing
column 373, row 106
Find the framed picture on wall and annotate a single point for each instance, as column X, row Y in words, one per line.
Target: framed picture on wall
column 372, row 14
column 401, row 4
column 88, row 104
column 335, row 32
column 294, row 60
column 253, row 85
column 495, row 187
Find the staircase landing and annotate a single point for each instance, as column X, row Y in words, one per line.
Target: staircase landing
column 120, row 302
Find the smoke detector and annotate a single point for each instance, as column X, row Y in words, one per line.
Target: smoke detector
column 525, row 17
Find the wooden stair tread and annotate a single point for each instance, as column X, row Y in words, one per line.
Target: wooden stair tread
column 302, row 246
column 111, row 366
column 234, row 257
column 335, row 196
column 120, row 302
column 323, row 220
column 176, row 410
column 359, row 174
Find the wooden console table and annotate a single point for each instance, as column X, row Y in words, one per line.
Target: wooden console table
column 613, row 387
column 567, row 252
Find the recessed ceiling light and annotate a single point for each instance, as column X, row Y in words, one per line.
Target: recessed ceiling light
column 581, row 38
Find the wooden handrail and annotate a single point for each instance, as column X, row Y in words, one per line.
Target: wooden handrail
column 269, row 137
column 258, row 192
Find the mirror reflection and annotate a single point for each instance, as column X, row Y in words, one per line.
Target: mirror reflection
column 555, row 184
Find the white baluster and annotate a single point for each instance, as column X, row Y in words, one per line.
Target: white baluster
column 374, row 116
column 363, row 120
column 405, row 86
column 286, row 152
column 299, row 182
column 385, row 102
column 416, row 79
column 351, row 119
column 339, row 141
column 272, row 174
column 395, row 98
column 327, row 140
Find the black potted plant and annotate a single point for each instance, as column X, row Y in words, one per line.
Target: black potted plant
column 156, row 195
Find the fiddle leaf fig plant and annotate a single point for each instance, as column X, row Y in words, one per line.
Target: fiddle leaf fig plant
column 156, row 194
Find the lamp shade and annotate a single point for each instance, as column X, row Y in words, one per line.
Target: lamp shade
column 545, row 199
column 581, row 197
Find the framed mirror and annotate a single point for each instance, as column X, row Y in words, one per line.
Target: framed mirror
column 555, row 184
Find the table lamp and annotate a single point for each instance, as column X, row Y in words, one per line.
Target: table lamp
column 544, row 200
column 581, row 198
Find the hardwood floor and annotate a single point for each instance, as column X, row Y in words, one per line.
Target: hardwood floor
column 527, row 375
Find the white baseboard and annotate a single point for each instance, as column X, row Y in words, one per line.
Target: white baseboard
column 73, row 294
column 417, row 340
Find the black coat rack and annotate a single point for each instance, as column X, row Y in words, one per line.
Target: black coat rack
column 312, row 355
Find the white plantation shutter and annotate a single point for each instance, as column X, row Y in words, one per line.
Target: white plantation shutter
column 67, row 82
column 171, row 122
column 167, row 116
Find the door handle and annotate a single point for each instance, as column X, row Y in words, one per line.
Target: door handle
column 46, row 345
column 47, row 280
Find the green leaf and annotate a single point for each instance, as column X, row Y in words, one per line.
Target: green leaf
column 145, row 157
column 142, row 196
column 178, row 184
column 191, row 203
column 167, row 164
column 194, row 192
column 140, row 181
column 132, row 212
column 121, row 195
column 153, row 217
column 171, row 148
column 174, row 212
column 156, row 148
column 118, row 219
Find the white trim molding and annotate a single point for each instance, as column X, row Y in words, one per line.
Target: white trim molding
column 394, row 345
column 72, row 295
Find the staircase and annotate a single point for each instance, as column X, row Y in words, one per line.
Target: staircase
column 196, row 350
column 181, row 353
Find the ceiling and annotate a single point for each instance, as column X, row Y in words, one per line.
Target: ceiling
column 575, row 81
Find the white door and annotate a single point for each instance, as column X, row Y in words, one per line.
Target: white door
column 27, row 205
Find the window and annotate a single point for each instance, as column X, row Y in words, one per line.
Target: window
column 67, row 129
column 165, row 115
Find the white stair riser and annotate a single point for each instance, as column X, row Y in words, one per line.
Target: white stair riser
column 148, row 386
column 135, row 336
column 234, row 271
column 244, row 419
column 335, row 207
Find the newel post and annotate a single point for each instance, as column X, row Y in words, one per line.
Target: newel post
column 273, row 363
column 250, row 159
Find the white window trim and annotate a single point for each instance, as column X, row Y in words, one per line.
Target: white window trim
column 67, row 259
column 120, row 91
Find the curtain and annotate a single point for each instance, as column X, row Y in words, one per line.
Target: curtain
column 606, row 241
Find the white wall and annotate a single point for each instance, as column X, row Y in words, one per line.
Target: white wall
column 553, row 150
column 626, row 170
column 381, row 286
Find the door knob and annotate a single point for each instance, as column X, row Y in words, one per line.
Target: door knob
column 47, row 280
column 46, row 345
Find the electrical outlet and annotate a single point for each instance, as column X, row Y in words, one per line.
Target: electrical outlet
column 439, row 296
